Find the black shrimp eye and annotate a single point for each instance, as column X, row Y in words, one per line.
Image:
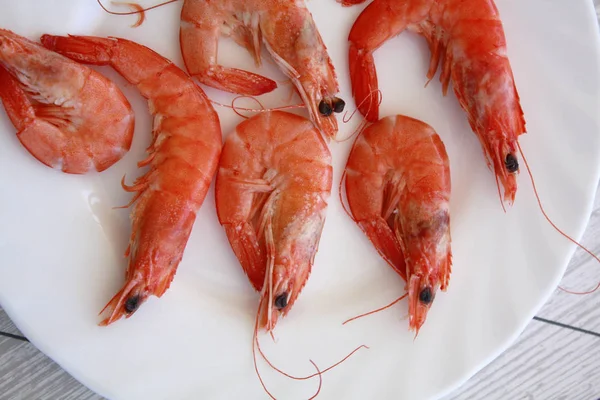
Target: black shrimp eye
column 338, row 105
column 426, row 296
column 512, row 165
column 281, row 301
column 132, row 304
column 325, row 109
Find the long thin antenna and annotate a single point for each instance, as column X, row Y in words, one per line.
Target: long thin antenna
column 556, row 227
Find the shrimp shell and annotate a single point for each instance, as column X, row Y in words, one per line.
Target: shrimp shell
column 183, row 159
column 398, row 189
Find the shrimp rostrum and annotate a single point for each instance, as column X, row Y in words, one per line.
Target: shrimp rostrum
column 272, row 189
column 466, row 38
column 398, row 190
column 285, row 28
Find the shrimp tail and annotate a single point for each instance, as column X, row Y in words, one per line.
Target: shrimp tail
column 15, row 101
column 364, row 81
column 247, row 249
column 39, row 138
column 386, row 243
column 236, row 80
column 88, row 50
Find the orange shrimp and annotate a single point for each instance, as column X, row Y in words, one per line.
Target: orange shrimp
column 67, row 115
column 285, row 28
column 272, row 189
column 398, row 190
column 183, row 159
column 467, row 38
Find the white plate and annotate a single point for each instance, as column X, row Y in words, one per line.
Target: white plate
column 61, row 243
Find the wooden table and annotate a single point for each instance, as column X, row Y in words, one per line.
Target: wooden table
column 556, row 357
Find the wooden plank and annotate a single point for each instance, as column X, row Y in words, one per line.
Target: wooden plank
column 547, row 362
column 583, row 274
column 26, row 373
column 6, row 325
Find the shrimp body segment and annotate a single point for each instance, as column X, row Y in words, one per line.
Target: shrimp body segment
column 67, row 115
column 398, row 190
column 286, row 30
column 466, row 38
column 183, row 159
column 272, row 189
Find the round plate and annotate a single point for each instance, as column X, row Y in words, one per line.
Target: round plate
column 62, row 242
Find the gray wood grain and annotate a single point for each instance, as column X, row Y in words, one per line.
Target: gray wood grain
column 549, row 362
column 546, row 362
column 26, row 373
column 6, row 325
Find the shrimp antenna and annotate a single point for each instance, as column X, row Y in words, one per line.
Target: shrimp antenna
column 363, row 124
column 267, row 288
column 361, row 127
column 137, row 9
column 303, row 378
column 262, row 108
column 376, row 311
column 255, row 341
column 314, row 396
column 340, row 187
column 369, row 97
column 556, row 227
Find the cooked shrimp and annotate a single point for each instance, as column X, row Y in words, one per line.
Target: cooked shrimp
column 467, row 38
column 183, row 158
column 287, row 31
column 272, row 189
column 67, row 115
column 398, row 190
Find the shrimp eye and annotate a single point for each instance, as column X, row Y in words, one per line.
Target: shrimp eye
column 338, row 105
column 281, row 301
column 325, row 109
column 132, row 304
column 512, row 165
column 426, row 296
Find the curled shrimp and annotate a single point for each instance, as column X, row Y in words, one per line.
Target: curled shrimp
column 183, row 159
column 67, row 115
column 285, row 29
column 467, row 38
column 272, row 189
column 398, row 189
